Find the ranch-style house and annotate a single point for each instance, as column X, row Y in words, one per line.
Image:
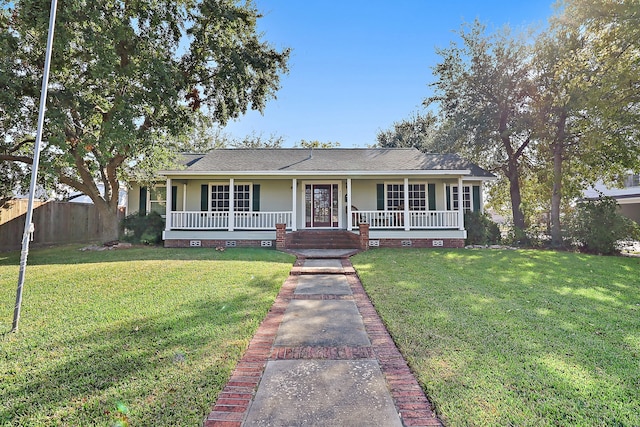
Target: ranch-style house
column 265, row 197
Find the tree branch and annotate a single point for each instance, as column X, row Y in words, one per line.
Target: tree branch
column 524, row 145
column 12, row 158
column 20, row 144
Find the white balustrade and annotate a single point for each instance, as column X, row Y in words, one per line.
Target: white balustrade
column 187, row 220
column 261, row 220
column 418, row 219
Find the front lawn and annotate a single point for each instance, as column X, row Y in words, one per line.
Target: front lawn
column 143, row 336
column 525, row 338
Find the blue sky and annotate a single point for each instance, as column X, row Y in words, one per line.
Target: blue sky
column 358, row 66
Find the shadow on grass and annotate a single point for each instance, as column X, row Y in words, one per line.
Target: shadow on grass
column 166, row 369
column 74, row 255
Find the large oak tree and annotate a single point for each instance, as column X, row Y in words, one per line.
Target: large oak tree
column 484, row 90
column 587, row 66
column 127, row 78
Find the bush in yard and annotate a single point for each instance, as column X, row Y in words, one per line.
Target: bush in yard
column 596, row 226
column 145, row 229
column 480, row 229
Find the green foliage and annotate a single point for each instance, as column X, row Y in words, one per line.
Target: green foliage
column 481, row 230
column 418, row 131
column 316, row 144
column 146, row 229
column 126, row 79
column 483, row 106
column 596, row 226
column 255, row 140
column 558, row 114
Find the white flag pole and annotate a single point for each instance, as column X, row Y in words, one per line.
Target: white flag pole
column 34, row 168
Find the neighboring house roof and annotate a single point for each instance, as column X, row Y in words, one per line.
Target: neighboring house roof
column 629, row 191
column 78, row 197
column 296, row 160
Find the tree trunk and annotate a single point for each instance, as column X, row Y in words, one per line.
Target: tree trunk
column 106, row 201
column 516, row 198
column 109, row 219
column 556, row 195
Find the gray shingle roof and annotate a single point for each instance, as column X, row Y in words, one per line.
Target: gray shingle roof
column 327, row 160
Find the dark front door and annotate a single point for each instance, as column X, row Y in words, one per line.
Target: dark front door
column 322, row 205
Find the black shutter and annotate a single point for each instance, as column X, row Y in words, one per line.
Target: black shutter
column 142, row 209
column 380, row 196
column 431, row 193
column 204, row 197
column 174, row 198
column 256, row 198
column 476, row 198
column 448, row 191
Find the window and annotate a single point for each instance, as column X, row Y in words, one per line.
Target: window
column 219, row 198
column 395, row 197
column 158, row 199
column 417, row 197
column 632, row 181
column 241, row 197
column 466, row 198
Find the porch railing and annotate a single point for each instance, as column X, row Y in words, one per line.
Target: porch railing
column 187, row 220
column 417, row 219
column 261, row 220
column 434, row 219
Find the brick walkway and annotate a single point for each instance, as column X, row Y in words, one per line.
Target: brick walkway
column 235, row 399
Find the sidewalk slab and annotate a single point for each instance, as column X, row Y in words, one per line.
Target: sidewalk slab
column 318, row 266
column 322, row 324
column 322, row 263
column 322, row 393
column 323, row 284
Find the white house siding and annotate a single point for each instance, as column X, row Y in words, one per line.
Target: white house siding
column 275, row 195
column 363, row 194
column 133, row 202
column 630, row 208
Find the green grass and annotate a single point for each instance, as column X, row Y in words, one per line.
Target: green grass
column 525, row 338
column 143, row 336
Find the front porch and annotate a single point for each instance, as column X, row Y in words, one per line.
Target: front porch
column 436, row 203
column 377, row 220
column 418, row 211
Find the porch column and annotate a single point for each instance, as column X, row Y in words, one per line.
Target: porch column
column 406, row 205
column 294, row 204
column 167, row 208
column 460, row 205
column 349, row 214
column 444, row 194
column 184, row 196
column 232, row 219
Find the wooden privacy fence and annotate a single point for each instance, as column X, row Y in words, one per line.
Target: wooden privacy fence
column 55, row 223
